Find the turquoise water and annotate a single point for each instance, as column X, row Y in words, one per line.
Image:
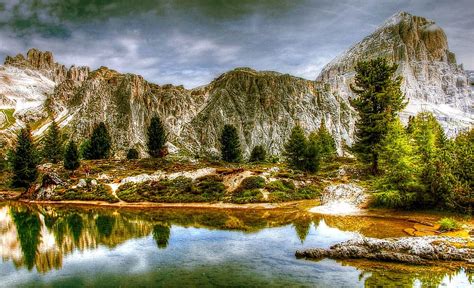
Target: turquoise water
column 67, row 247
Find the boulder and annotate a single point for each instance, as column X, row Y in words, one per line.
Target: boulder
column 82, row 183
column 411, row 250
column 49, row 182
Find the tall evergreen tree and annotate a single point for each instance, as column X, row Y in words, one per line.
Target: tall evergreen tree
column 295, row 148
column 53, row 149
column 156, row 137
column 24, row 160
column 326, row 141
column 230, row 144
column 378, row 101
column 100, row 143
column 399, row 163
column 313, row 153
column 434, row 151
column 71, row 156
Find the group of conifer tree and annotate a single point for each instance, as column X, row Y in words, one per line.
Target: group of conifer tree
column 415, row 166
column 301, row 152
column 26, row 156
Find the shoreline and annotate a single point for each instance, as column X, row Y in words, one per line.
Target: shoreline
column 146, row 205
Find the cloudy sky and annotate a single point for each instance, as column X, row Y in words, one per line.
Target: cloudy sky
column 191, row 42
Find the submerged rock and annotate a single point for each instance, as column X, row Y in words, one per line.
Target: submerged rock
column 411, row 250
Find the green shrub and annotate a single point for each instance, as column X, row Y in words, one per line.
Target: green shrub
column 448, row 224
column 132, row 154
column 392, row 198
column 252, row 182
column 285, row 190
column 247, row 196
column 280, row 185
column 309, row 192
column 209, row 186
column 258, row 154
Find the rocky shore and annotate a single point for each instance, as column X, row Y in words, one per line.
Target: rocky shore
column 409, row 250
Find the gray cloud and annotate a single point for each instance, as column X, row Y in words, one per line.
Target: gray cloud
column 191, row 42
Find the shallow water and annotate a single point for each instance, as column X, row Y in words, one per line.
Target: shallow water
column 72, row 246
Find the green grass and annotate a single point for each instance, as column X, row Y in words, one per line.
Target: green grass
column 449, row 224
column 10, row 119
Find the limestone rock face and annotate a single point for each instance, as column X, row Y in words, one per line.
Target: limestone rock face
column 265, row 106
column 44, row 62
column 126, row 103
column 432, row 81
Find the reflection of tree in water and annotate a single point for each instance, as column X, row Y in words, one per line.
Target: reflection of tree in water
column 105, row 225
column 302, row 226
column 75, row 225
column 388, row 279
column 28, row 226
column 161, row 234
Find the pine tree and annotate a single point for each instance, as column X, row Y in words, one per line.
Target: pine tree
column 399, row 163
column 435, row 152
column 24, row 160
column 71, row 157
column 295, row 148
column 230, row 144
column 156, row 138
column 100, row 143
column 258, row 154
column 85, row 150
column 53, row 149
column 378, row 101
column 313, row 153
column 326, row 141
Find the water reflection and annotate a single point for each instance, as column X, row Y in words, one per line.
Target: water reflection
column 29, row 227
column 161, row 234
column 72, row 246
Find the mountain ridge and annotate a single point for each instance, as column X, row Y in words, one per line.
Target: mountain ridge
column 263, row 105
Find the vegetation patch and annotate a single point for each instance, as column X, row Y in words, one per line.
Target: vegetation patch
column 99, row 192
column 449, row 224
column 249, row 191
column 285, row 190
column 247, row 196
column 179, row 190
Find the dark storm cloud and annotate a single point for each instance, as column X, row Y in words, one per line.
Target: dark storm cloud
column 190, row 42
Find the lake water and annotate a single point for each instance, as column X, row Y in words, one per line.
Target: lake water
column 70, row 246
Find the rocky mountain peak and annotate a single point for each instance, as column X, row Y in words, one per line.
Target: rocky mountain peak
column 43, row 61
column 432, row 80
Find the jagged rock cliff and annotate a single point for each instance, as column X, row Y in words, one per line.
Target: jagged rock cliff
column 264, row 105
column 432, row 80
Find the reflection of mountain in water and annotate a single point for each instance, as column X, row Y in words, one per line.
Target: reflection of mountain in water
column 40, row 236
